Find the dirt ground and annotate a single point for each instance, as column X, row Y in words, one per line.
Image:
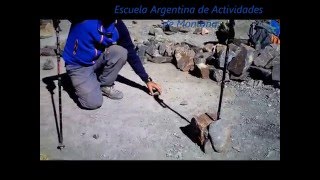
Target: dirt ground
column 139, row 128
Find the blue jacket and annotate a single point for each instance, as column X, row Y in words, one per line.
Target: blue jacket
column 88, row 39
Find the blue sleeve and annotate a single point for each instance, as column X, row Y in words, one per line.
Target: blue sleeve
column 133, row 58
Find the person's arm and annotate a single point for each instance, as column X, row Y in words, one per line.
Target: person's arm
column 133, row 59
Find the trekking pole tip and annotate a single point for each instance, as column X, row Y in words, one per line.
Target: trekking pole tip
column 61, row 146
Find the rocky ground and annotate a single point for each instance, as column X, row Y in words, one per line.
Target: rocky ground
column 139, row 128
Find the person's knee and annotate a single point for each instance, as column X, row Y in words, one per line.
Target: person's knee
column 92, row 100
column 119, row 52
column 91, row 104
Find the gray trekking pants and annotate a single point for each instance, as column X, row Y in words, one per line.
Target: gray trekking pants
column 87, row 80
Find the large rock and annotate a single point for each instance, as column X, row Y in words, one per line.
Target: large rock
column 161, row 59
column 184, row 29
column 203, row 70
column 276, row 72
column 172, row 29
column 165, row 49
column 274, row 61
column 200, row 125
column 158, row 31
column 196, row 49
column 274, row 49
column 210, row 60
column 155, row 31
column 259, row 73
column 263, row 59
column 162, row 48
column 221, row 53
column 209, row 47
column 242, row 61
column 169, row 50
column 202, row 57
column 151, row 49
column 234, row 48
column 156, row 54
column 141, row 52
column 217, row 75
column 220, row 135
column 242, row 77
column 169, row 30
column 184, row 57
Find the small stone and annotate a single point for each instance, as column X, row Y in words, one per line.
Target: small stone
column 204, row 31
column 237, row 148
column 269, row 105
column 95, row 136
column 48, row 51
column 48, row 65
column 183, row 103
column 82, row 134
column 134, row 22
column 273, row 155
column 152, row 31
column 258, row 83
column 197, row 31
column 46, row 29
column 250, row 82
column 176, row 135
column 179, row 155
column 169, row 32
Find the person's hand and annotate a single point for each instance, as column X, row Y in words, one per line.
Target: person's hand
column 151, row 86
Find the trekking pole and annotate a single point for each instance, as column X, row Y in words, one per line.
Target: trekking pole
column 223, row 79
column 58, row 52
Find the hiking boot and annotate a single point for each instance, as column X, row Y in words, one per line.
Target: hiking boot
column 111, row 93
